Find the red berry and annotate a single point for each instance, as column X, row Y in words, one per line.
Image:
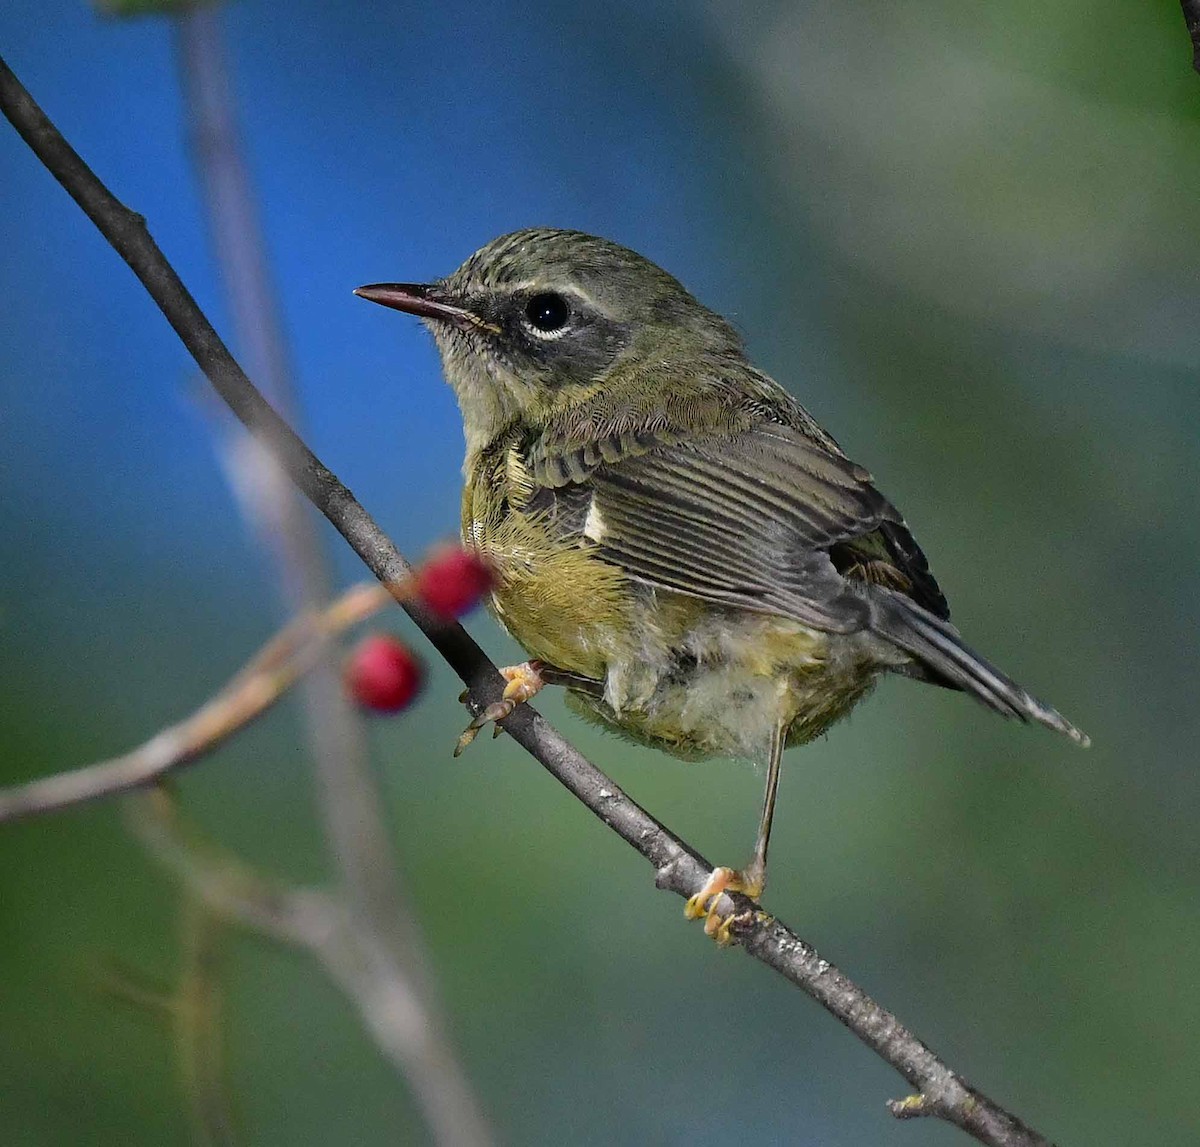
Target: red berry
column 452, row 580
column 383, row 674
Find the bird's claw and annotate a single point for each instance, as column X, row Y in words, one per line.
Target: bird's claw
column 524, row 682
column 724, row 934
column 704, row 903
column 494, row 712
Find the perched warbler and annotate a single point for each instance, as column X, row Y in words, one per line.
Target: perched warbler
column 673, row 535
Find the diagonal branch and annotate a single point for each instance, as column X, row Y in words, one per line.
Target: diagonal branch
column 941, row 1092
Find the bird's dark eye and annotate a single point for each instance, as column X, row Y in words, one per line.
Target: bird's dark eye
column 547, row 312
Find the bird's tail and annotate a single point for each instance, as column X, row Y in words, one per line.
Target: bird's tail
column 938, row 647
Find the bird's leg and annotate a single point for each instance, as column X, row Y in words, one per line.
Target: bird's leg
column 525, row 681
column 752, row 879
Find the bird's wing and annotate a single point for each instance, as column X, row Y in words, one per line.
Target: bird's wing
column 765, row 519
column 770, row 519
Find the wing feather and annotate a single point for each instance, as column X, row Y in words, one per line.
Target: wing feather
column 745, row 519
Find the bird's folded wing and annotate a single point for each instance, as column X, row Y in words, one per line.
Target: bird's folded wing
column 747, row 520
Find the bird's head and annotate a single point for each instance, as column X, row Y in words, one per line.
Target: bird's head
column 538, row 319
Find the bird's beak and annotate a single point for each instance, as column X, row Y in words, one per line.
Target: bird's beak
column 421, row 299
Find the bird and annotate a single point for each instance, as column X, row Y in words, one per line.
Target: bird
column 673, row 537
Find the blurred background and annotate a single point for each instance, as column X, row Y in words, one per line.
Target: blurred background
column 964, row 234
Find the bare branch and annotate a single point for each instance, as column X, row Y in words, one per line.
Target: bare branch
column 267, row 677
column 680, row 869
column 195, row 1011
column 192, row 1007
column 354, row 959
column 357, row 833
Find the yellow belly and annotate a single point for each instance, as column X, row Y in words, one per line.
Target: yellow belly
column 564, row 606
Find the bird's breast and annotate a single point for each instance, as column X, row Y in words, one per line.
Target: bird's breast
column 563, row 603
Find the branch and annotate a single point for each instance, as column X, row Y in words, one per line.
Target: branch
column 263, row 681
column 356, row 831
column 195, row 1012
column 679, row 868
column 348, row 803
column 192, row 1008
column 353, row 957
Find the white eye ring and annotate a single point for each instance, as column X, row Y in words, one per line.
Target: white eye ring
column 545, row 336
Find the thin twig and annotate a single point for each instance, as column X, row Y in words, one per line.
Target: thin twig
column 196, row 1015
column 349, row 803
column 314, row 921
column 254, row 689
column 192, row 1008
column 679, row 868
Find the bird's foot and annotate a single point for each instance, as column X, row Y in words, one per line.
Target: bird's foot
column 722, row 928
column 524, row 682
